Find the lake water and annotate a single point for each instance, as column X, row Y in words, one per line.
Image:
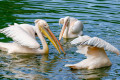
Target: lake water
column 101, row 18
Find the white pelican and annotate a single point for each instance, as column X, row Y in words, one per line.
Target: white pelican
column 71, row 27
column 94, row 49
column 24, row 38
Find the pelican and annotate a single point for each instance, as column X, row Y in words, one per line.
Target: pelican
column 71, row 27
column 23, row 36
column 94, row 49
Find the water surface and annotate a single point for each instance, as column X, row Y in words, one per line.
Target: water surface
column 101, row 18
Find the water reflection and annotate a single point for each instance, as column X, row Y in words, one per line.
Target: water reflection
column 92, row 74
column 66, row 43
column 27, row 67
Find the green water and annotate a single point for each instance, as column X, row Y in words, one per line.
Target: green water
column 101, row 18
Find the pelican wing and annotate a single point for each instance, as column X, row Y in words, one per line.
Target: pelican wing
column 30, row 29
column 97, row 42
column 20, row 36
column 80, row 39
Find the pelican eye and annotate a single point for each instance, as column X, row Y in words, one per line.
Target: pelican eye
column 46, row 26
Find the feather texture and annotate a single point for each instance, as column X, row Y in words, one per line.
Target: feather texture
column 96, row 42
column 94, row 49
column 72, row 27
column 77, row 27
column 80, row 39
column 20, row 36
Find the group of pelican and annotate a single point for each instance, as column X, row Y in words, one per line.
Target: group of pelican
column 24, row 37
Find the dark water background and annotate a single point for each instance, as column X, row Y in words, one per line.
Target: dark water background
column 101, row 18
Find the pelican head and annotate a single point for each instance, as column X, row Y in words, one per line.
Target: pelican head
column 44, row 28
column 42, row 23
column 65, row 21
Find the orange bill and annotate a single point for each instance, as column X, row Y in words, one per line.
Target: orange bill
column 50, row 37
column 62, row 30
column 53, row 36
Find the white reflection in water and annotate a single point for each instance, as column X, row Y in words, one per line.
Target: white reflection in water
column 27, row 67
column 91, row 74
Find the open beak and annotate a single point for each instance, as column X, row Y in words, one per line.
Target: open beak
column 47, row 32
column 53, row 36
column 62, row 30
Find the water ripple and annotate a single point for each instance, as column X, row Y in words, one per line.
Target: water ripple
column 101, row 18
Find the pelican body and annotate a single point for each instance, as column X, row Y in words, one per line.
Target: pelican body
column 94, row 49
column 71, row 27
column 24, row 39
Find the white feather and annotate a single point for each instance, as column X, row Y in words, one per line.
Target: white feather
column 20, row 36
column 73, row 29
column 80, row 39
column 77, row 27
column 96, row 56
column 96, row 42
